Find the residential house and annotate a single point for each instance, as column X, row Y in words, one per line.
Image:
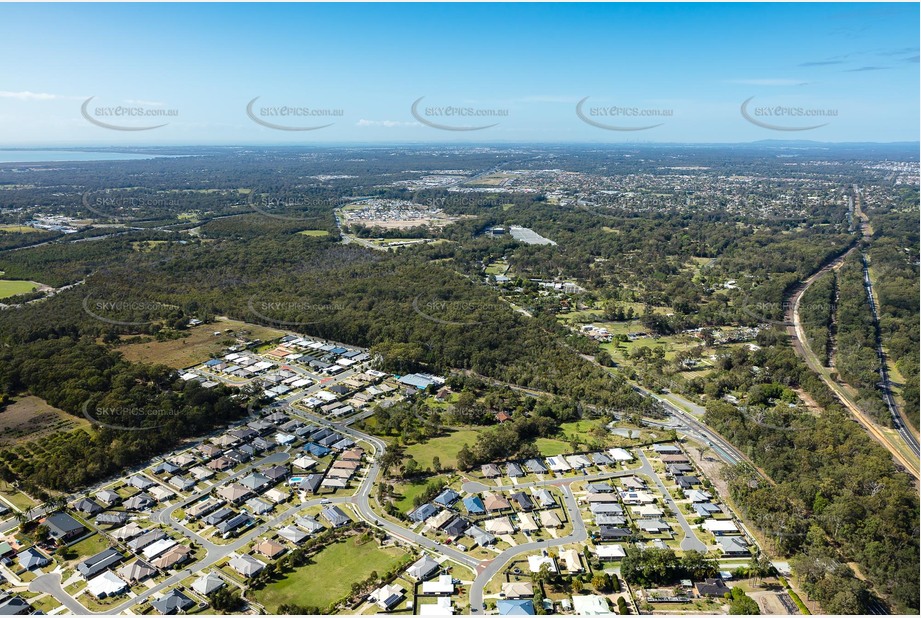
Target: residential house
column 208, row 583
column 423, row 568
column 269, row 548
column 474, row 505
column 423, row 512
column 523, row 500
column 490, row 471
column 456, row 527
column 517, row 590
column 31, row 558
column 62, row 527
column 98, row 563
column 247, row 566
column 293, row 534
column 335, row 516
column 570, row 558
column 218, row 516
column 387, row 597
column 549, row 519
column 173, row 602
column 106, row 584
column 173, row 556
column 136, row 572
column 711, row 587
column 447, row 497
column 149, row 537
column 87, row 506
column 108, row 497
column 515, row 607
column 495, row 503
column 112, row 518
column 480, row 536
column 499, row 525
column 535, row 466
column 544, row 498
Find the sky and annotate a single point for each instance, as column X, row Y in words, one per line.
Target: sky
column 513, row 73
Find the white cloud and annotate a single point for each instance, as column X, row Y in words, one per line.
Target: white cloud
column 26, row 95
column 385, row 123
column 144, row 103
column 549, row 98
column 769, row 82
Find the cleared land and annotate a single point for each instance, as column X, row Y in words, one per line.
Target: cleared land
column 31, row 417
column 314, row 232
column 12, row 287
column 198, row 346
column 330, row 576
column 445, row 447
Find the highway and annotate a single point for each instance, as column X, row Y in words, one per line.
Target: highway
column 899, row 422
column 801, row 347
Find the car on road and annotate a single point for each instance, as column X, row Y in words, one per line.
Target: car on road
column 325, row 501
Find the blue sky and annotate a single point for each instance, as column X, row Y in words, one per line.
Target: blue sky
column 691, row 66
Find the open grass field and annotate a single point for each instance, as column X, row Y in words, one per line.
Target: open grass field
column 330, row 576
column 408, row 491
column 314, row 232
column 31, row 417
column 18, row 229
column 445, row 447
column 15, row 497
column 197, row 347
column 12, row 288
column 87, row 547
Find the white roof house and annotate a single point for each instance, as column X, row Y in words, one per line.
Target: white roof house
column 526, row 523
column 610, row 552
column 536, row 562
column 571, row 558
column 444, row 584
column 158, row 547
column 443, row 606
column 107, row 584
column 558, row 464
column 721, row 526
column 578, row 461
column 619, row 454
column 590, row 605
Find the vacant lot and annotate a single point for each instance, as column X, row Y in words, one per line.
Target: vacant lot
column 445, row 447
column 31, row 417
column 198, row 346
column 331, row 575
